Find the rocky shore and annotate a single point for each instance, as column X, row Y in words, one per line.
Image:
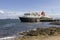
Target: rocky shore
column 51, row 33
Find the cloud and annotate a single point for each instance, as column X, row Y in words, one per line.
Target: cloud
column 16, row 14
column 1, row 11
column 10, row 14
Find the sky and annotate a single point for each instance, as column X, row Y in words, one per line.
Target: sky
column 16, row 8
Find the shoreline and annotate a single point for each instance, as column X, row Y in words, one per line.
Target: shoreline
column 41, row 33
column 8, row 38
column 33, row 33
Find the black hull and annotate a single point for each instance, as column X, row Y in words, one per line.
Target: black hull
column 25, row 19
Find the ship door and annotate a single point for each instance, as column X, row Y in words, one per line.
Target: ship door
column 38, row 20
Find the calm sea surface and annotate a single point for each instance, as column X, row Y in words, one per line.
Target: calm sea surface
column 10, row 27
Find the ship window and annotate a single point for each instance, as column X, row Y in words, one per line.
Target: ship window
column 27, row 14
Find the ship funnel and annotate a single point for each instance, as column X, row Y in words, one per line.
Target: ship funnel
column 42, row 13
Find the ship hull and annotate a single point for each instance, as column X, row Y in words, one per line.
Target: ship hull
column 27, row 19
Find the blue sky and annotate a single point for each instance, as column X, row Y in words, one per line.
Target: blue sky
column 16, row 8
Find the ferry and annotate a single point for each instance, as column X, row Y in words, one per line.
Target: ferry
column 35, row 17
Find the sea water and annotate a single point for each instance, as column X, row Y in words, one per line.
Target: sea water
column 9, row 28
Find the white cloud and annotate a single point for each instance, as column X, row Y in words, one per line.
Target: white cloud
column 1, row 11
column 10, row 14
column 16, row 14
